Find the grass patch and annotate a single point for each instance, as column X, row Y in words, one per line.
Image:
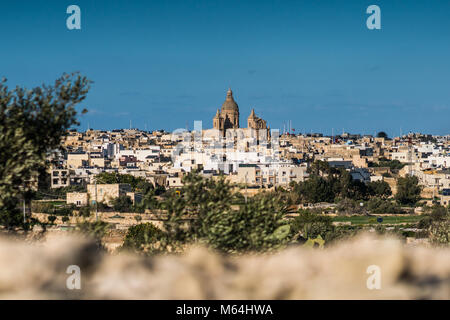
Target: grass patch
column 373, row 219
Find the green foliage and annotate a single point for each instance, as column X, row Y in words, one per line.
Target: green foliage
column 257, row 225
column 321, row 168
column 408, row 190
column 315, row 189
column 149, row 200
column 380, row 229
column 122, row 203
column 425, row 222
column 95, row 230
column 102, row 206
column 386, row 163
column 52, row 193
column 137, row 208
column 311, row 225
column 382, row 134
column 437, row 225
column 440, row 233
column 84, row 211
column 327, row 184
column 238, row 198
column 360, row 220
column 346, row 187
column 202, row 213
column 32, row 123
column 52, row 207
column 439, row 213
column 379, row 189
column 380, row 206
column 317, row 242
column 51, row 219
column 343, row 232
column 144, row 237
column 137, row 184
column 350, row 207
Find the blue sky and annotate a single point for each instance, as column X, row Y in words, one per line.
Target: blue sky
column 165, row 63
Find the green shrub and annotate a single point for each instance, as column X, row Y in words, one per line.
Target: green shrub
column 439, row 213
column 380, row 206
column 84, row 211
column 422, row 234
column 122, row 203
column 257, row 225
column 102, row 206
column 144, row 237
column 408, row 190
column 95, row 230
column 55, row 208
column 51, row 219
column 137, row 183
column 349, row 207
column 41, row 207
column 440, row 233
column 425, row 222
column 311, row 225
column 379, row 189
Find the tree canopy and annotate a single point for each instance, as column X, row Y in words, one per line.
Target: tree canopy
column 382, row 134
column 32, row 123
column 408, row 190
column 136, row 183
column 327, row 184
column 201, row 211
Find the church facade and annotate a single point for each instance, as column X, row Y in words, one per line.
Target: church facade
column 227, row 146
column 227, row 117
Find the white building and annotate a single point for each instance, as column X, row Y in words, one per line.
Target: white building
column 144, row 155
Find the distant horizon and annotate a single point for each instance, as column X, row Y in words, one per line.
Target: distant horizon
column 281, row 132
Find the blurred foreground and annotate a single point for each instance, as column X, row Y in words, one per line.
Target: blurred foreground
column 38, row 271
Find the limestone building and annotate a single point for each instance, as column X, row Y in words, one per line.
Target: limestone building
column 255, row 122
column 227, row 117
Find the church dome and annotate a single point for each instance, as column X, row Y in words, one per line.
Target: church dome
column 230, row 104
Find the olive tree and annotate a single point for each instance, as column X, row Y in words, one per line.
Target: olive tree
column 32, row 123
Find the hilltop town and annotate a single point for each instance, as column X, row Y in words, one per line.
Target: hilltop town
column 111, row 172
column 251, row 156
